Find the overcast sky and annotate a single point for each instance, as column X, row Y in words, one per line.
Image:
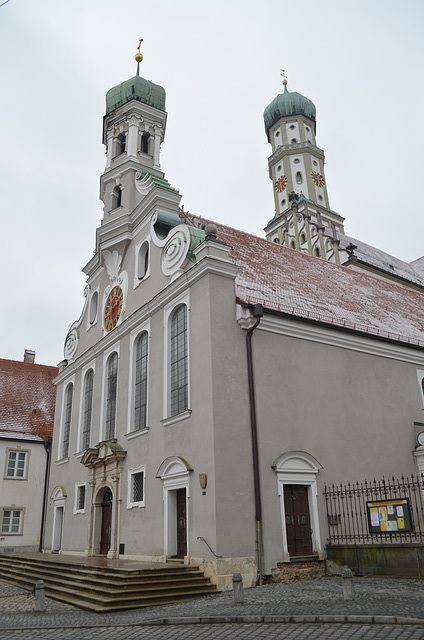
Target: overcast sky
column 219, row 62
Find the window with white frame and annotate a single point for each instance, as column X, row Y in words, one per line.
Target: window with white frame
column 80, row 497
column 16, row 465
column 178, row 373
column 111, row 392
column 136, row 487
column 67, row 420
column 87, row 409
column 11, row 523
column 140, row 383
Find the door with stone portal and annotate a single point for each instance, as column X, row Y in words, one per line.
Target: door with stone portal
column 298, row 522
column 105, row 535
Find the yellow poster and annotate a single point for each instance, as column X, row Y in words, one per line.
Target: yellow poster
column 382, row 513
column 401, row 523
column 383, row 525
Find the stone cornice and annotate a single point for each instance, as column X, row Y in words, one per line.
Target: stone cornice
column 314, row 333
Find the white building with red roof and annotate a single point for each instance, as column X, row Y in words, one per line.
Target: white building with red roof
column 216, row 382
column 27, row 400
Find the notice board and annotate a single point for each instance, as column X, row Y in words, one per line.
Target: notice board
column 389, row 516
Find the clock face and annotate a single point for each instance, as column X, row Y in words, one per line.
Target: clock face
column 318, row 179
column 281, row 184
column 113, row 308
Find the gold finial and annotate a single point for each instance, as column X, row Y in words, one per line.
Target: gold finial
column 139, row 56
column 283, row 73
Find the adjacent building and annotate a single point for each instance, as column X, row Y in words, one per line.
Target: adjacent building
column 27, row 399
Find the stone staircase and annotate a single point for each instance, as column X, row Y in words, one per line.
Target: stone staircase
column 100, row 585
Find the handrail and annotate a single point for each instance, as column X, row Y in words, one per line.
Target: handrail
column 209, row 547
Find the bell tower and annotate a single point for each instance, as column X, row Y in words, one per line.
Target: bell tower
column 303, row 219
column 133, row 130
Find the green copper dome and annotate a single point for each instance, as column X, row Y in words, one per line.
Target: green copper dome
column 289, row 103
column 136, row 88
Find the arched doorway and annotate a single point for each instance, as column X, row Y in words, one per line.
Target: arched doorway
column 174, row 472
column 58, row 496
column 297, row 487
column 106, row 522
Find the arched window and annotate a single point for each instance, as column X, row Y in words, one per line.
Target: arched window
column 317, row 252
column 116, row 197
column 293, row 244
column 299, row 178
column 93, row 307
column 121, row 142
column 143, row 260
column 303, row 238
column 140, row 390
column 145, row 139
column 67, row 420
column 112, row 382
column 88, row 406
column 179, row 362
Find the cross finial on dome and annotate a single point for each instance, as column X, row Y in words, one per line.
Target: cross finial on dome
column 283, row 73
column 139, row 56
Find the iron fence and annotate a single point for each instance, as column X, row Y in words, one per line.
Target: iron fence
column 396, row 516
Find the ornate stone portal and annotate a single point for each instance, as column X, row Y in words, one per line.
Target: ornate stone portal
column 105, row 463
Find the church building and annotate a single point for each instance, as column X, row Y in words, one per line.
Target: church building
column 217, row 382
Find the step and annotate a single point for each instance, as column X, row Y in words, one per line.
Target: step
column 105, row 588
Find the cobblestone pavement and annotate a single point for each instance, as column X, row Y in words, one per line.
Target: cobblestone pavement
column 225, row 632
column 313, row 609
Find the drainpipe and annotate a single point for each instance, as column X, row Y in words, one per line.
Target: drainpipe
column 258, row 312
column 47, row 447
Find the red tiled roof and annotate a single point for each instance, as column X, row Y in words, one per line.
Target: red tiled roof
column 27, row 400
column 298, row 284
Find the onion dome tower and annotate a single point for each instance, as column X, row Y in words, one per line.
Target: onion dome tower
column 133, row 131
column 303, row 219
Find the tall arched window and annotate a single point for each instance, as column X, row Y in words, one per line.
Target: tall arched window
column 143, row 260
column 145, row 142
column 179, row 362
column 116, row 197
column 121, row 143
column 112, row 382
column 87, row 411
column 140, row 390
column 67, row 420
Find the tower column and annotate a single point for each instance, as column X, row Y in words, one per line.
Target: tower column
column 109, row 148
column 156, row 148
column 132, row 137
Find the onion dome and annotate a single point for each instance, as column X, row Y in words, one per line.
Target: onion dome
column 289, row 103
column 136, row 88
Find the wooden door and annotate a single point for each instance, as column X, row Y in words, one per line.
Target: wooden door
column 106, row 523
column 181, row 524
column 298, row 523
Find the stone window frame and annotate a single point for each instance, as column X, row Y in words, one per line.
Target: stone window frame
column 21, row 511
column 79, row 488
column 130, row 487
column 26, row 464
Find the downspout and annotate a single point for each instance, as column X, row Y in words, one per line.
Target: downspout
column 258, row 312
column 47, row 447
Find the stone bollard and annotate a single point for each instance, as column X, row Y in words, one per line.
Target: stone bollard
column 348, row 587
column 40, row 597
column 238, row 595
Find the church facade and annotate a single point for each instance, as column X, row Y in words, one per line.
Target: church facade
column 216, row 381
